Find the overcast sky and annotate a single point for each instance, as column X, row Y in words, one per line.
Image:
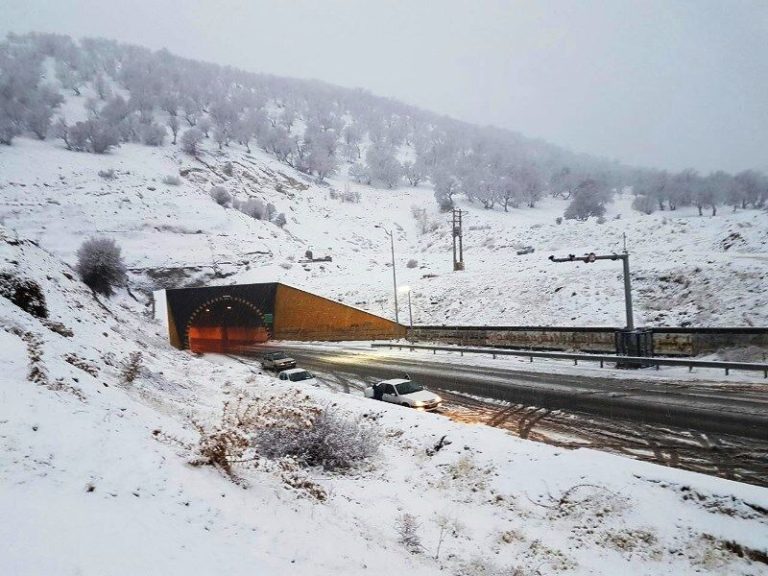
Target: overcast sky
column 663, row 83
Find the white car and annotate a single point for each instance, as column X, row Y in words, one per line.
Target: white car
column 298, row 375
column 404, row 392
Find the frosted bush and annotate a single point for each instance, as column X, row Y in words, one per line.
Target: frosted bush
column 172, row 180
column 330, row 439
column 254, row 208
column 191, row 139
column 280, row 220
column 131, row 367
column 221, row 196
column 153, row 134
column 100, row 265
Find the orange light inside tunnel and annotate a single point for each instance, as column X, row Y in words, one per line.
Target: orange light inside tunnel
column 226, row 327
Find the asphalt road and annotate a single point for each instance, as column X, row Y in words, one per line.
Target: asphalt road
column 739, row 409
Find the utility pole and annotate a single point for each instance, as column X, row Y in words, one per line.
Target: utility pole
column 394, row 272
column 457, row 233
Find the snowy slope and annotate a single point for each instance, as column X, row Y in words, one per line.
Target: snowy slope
column 88, row 486
column 686, row 269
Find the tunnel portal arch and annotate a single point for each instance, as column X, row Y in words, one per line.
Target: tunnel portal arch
column 226, row 324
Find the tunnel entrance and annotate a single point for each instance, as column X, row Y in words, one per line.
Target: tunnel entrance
column 226, row 324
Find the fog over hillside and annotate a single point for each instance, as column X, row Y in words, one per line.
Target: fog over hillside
column 667, row 84
column 321, row 130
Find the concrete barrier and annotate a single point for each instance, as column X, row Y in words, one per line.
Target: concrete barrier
column 667, row 341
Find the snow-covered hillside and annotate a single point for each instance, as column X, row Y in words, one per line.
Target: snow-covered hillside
column 686, row 269
column 95, row 475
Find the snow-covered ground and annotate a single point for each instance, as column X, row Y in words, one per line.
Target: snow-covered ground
column 95, row 474
column 686, row 269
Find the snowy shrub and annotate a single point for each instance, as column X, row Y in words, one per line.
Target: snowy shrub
column 223, row 444
column 24, row 293
column 131, row 367
column 58, row 327
column 234, row 439
column 152, row 134
column 601, row 220
column 254, row 208
column 172, row 180
column 36, row 373
column 191, row 139
column 94, row 135
column 9, row 127
column 81, row 363
column 412, row 263
column 280, row 220
column 100, row 265
column 359, row 173
column 221, row 196
column 559, row 220
column 427, row 224
column 483, row 567
column 447, row 526
column 228, row 169
column 328, row 438
column 294, row 476
column 75, row 137
column 407, row 527
column 644, row 204
column 350, row 196
column 589, row 199
column 107, row 174
column 102, row 136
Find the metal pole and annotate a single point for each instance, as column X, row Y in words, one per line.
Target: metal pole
column 394, row 276
column 453, row 234
column 628, row 293
column 410, row 313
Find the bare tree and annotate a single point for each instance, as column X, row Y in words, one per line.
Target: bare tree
column 173, row 124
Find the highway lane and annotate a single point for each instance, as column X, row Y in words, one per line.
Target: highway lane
column 740, row 410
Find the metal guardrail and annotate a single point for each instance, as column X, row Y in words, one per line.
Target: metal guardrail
column 601, row 358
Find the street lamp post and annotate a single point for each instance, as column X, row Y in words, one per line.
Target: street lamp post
column 394, row 272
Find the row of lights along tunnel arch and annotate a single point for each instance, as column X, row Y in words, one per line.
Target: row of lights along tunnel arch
column 226, row 324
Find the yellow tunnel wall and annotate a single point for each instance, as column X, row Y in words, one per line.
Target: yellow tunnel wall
column 300, row 315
